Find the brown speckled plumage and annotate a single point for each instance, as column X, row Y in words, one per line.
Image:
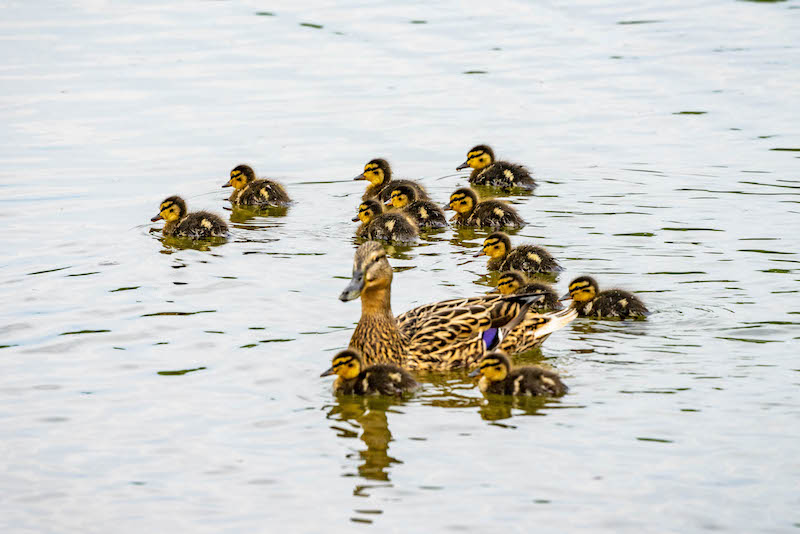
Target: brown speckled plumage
column 195, row 225
column 257, row 192
column 496, row 173
column 526, row 258
column 487, row 213
column 380, row 379
column 528, row 381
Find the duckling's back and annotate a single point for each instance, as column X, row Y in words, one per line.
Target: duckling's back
column 617, row 303
column 529, row 381
column 199, row 225
column 392, row 226
column 384, row 191
column 426, row 214
column 384, row 379
column 495, row 214
column 262, row 193
column 530, row 259
column 503, row 174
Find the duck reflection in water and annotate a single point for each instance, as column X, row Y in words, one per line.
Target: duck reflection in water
column 368, row 414
column 254, row 218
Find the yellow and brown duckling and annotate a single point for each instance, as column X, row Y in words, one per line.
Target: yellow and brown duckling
column 589, row 301
column 526, row 258
column 487, row 171
column 515, row 282
column 390, row 226
column 380, row 379
column 470, row 211
column 180, row 223
column 379, row 175
column 250, row 191
column 499, row 378
column 443, row 335
column 423, row 212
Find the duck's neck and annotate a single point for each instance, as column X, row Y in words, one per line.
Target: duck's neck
column 377, row 302
column 170, row 226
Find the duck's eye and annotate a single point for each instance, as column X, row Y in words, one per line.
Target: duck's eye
column 463, row 202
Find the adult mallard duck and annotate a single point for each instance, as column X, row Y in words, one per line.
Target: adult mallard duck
column 487, row 171
column 423, row 212
column 444, row 335
column 249, row 191
column 380, row 379
column 379, row 175
column 391, row 226
column 614, row 303
column 180, row 223
column 499, row 378
column 472, row 212
column 526, row 258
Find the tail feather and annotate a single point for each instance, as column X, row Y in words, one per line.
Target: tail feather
column 558, row 320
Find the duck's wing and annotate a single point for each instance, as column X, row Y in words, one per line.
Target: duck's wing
column 535, row 328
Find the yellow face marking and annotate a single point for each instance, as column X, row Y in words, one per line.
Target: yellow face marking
column 478, row 159
column 364, row 213
column 238, row 179
column 399, row 200
column 347, row 367
column 582, row 291
column 461, row 203
column 494, row 248
column 373, row 173
column 507, row 285
column 493, row 369
column 169, row 211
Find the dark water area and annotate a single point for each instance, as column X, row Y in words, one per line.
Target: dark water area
column 158, row 384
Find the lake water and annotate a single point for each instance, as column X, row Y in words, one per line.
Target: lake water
column 149, row 387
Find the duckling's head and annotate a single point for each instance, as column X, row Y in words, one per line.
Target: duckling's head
column 171, row 209
column 496, row 246
column 402, row 196
column 377, row 172
column 241, row 175
column 510, row 281
column 371, row 271
column 494, row 366
column 462, row 200
column 582, row 289
column 346, row 364
column 478, row 157
column 368, row 210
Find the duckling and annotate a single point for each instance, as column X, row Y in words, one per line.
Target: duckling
column 498, row 378
column 423, row 212
column 472, row 212
column 249, row 191
column 391, row 226
column 591, row 302
column 197, row 225
column 514, row 282
column 525, row 258
column 487, row 171
column 379, row 174
column 379, row 379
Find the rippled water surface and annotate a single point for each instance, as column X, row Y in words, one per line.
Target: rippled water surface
column 150, row 386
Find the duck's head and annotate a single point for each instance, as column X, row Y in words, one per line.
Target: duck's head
column 462, row 200
column 241, row 175
column 402, row 196
column 171, row 209
column 368, row 210
column 371, row 270
column 494, row 366
column 582, row 289
column 377, row 172
column 495, row 246
column 346, row 364
column 509, row 282
column 478, row 157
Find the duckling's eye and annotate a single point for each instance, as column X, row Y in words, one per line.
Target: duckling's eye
column 350, row 364
column 463, row 202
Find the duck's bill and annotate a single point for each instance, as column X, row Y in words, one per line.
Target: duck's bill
column 354, row 288
column 360, row 177
column 157, row 218
column 329, row 372
column 463, row 166
column 565, row 297
column 355, row 219
column 447, row 207
column 228, row 184
column 388, row 203
column 481, row 253
column 475, row 373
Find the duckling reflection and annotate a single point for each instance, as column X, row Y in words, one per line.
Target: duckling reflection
column 172, row 244
column 369, row 415
column 255, row 218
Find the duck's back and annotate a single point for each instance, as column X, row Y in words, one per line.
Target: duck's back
column 392, row 226
column 263, row 193
column 426, row 214
column 495, row 214
column 201, row 224
column 616, row 303
column 529, row 381
column 384, row 379
column 503, row 174
column 530, row 259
